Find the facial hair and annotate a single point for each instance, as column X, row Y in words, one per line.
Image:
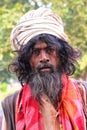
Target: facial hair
column 48, row 83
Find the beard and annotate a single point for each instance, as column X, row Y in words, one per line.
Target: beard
column 48, row 83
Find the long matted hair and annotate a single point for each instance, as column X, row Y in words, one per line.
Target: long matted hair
column 67, row 55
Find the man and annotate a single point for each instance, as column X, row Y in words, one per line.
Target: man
column 49, row 99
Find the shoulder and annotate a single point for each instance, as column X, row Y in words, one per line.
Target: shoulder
column 8, row 106
column 82, row 87
column 83, row 83
column 9, row 100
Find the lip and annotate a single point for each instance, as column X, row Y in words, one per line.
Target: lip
column 45, row 70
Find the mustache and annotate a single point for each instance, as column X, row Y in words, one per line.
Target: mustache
column 45, row 65
column 36, row 71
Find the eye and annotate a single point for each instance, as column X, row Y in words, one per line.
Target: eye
column 36, row 52
column 50, row 50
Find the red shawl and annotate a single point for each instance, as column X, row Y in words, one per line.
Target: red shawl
column 70, row 109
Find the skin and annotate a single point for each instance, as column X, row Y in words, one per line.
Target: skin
column 42, row 53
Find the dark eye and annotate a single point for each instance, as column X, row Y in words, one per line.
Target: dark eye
column 36, row 52
column 50, row 50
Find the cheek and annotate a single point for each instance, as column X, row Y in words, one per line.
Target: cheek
column 55, row 60
column 33, row 62
column 58, row 61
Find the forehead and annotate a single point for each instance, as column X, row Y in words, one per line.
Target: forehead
column 40, row 45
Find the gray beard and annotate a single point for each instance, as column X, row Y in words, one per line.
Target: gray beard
column 47, row 83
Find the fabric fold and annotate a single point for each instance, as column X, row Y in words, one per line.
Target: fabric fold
column 70, row 109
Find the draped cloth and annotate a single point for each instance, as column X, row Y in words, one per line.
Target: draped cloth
column 70, row 109
column 35, row 22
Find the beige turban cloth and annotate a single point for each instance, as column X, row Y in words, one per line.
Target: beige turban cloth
column 35, row 22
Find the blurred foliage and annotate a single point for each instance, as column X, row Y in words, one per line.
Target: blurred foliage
column 73, row 13
column 3, row 87
column 6, row 92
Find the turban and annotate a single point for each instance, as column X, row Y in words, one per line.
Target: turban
column 35, row 22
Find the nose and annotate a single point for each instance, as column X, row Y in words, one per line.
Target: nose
column 44, row 57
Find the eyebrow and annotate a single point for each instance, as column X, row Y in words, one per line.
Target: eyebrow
column 43, row 47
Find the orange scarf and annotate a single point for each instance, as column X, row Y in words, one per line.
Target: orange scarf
column 70, row 109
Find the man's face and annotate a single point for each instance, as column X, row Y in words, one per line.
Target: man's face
column 43, row 57
column 45, row 77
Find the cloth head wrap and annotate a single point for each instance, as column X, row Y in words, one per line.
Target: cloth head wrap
column 35, row 22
